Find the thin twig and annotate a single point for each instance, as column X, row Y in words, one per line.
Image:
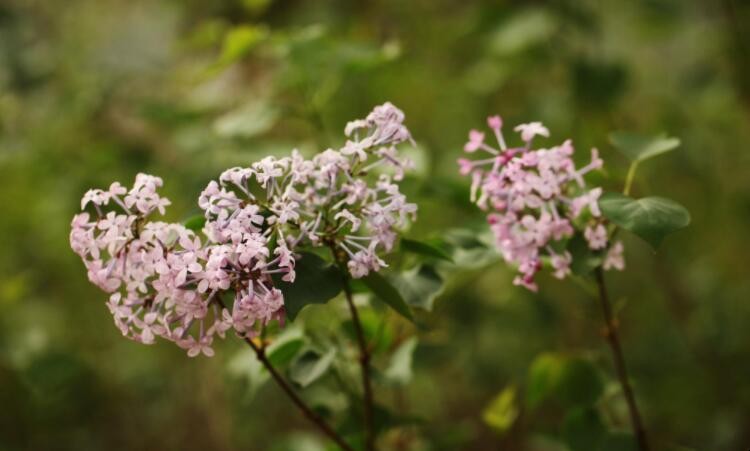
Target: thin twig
column 364, row 357
column 622, row 373
column 306, row 410
column 316, row 419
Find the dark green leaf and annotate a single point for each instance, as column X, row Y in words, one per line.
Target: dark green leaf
column 502, row 412
column 419, row 286
column 425, row 249
column 573, row 381
column 651, row 218
column 619, row 442
column 387, row 293
column 584, row 259
column 316, row 282
column 580, row 382
column 195, row 223
column 639, row 148
column 310, row 366
column 583, row 429
column 285, row 352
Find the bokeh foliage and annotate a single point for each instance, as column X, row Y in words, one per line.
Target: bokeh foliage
column 95, row 91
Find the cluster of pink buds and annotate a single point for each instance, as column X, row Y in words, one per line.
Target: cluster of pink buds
column 537, row 199
column 165, row 281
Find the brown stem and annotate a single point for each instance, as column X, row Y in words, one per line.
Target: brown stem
column 364, row 360
column 306, row 410
column 622, row 372
column 364, row 357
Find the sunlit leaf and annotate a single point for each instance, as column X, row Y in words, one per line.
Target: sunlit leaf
column 400, row 369
column 419, row 286
column 502, row 412
column 651, row 218
column 386, row 292
column 639, row 147
column 310, row 366
column 239, row 41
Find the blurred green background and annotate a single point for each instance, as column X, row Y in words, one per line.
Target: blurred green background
column 93, row 91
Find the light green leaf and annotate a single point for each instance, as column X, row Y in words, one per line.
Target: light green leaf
column 387, row 293
column 424, row 249
column 400, row 369
column 310, row 366
column 651, row 218
column 502, row 412
column 316, row 282
column 239, row 41
column 639, row 147
column 419, row 286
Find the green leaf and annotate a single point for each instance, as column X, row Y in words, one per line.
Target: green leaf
column 580, row 382
column 316, row 282
column 573, row 381
column 619, row 441
column 651, row 218
column 285, row 352
column 422, row 248
column 239, row 41
column 419, row 286
column 583, row 429
column 639, row 147
column 387, row 293
column 543, row 379
column 502, row 412
column 195, row 223
column 310, row 366
column 399, row 370
column 584, row 259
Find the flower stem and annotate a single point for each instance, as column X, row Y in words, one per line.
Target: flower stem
column 630, row 177
column 364, row 360
column 622, row 372
column 364, row 357
column 306, row 410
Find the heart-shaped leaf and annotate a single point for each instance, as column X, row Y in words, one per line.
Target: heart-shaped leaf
column 310, row 366
column 651, row 218
column 639, row 147
column 419, row 286
column 382, row 288
column 316, row 282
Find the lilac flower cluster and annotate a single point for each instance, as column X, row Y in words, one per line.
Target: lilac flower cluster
column 165, row 280
column 537, row 199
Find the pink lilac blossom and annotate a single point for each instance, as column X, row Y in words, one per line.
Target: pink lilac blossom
column 536, row 200
column 330, row 200
column 163, row 280
column 167, row 281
